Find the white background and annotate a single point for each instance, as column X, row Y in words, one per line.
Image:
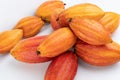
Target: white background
column 11, row 11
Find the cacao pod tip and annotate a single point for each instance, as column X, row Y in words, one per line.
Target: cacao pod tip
column 70, row 19
column 64, row 3
column 57, row 19
column 112, row 41
column 44, row 19
column 37, row 52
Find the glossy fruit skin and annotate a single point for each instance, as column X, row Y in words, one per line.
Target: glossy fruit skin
column 103, row 55
column 85, row 10
column 63, row 67
column 45, row 10
column 54, row 17
column 9, row 39
column 57, row 42
column 26, row 50
column 110, row 21
column 30, row 25
column 90, row 31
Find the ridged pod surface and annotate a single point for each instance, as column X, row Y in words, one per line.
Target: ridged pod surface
column 9, row 39
column 26, row 50
column 63, row 67
column 30, row 25
column 85, row 10
column 90, row 31
column 57, row 42
column 110, row 21
column 104, row 55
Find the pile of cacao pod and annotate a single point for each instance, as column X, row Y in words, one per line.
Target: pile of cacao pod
column 85, row 27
